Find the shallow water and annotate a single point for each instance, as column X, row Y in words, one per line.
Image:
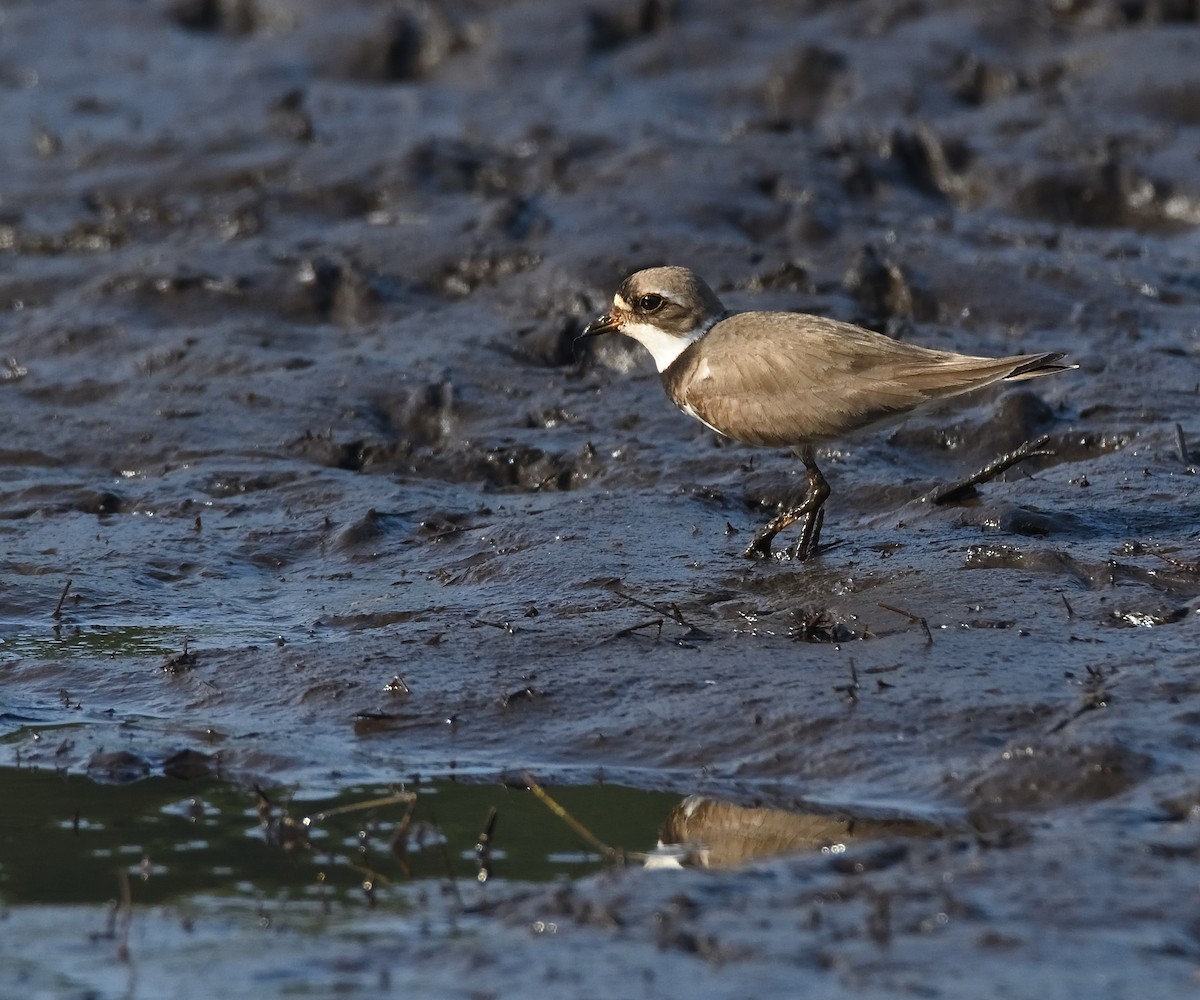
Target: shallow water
column 304, row 477
column 187, row 838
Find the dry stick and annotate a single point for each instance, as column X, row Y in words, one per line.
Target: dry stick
column 955, row 491
column 610, row 853
column 1091, row 702
column 483, row 845
column 851, row 690
column 671, row 612
column 369, row 874
column 1178, row 564
column 637, row 628
column 396, row 798
column 508, row 627
column 626, row 632
column 915, row 619
column 62, row 597
column 398, row 845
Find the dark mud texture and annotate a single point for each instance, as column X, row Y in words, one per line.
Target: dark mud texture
column 289, row 295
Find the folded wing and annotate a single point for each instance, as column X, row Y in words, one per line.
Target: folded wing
column 785, row 379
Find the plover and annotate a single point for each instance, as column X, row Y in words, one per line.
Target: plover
column 779, row 379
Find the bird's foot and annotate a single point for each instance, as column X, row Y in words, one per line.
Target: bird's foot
column 806, row 545
column 760, row 546
column 811, row 511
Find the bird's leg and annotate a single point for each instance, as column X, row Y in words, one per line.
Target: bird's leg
column 811, row 510
column 810, row 536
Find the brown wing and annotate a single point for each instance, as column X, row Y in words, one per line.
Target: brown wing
column 784, row 379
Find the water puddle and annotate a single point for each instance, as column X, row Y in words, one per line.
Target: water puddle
column 39, row 642
column 159, row 840
column 164, row 839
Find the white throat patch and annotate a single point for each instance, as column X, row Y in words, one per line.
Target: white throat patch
column 665, row 347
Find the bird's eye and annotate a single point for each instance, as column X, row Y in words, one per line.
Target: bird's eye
column 651, row 303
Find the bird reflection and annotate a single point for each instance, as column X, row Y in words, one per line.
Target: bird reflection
column 708, row 833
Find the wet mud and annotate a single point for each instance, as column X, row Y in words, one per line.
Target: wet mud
column 306, row 484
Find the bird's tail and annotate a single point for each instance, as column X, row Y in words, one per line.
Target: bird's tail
column 1038, row 365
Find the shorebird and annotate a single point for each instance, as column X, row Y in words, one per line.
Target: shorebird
column 780, row 379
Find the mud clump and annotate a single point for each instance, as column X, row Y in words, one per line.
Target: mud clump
column 488, row 267
column 230, row 17
column 401, row 42
column 291, row 118
column 339, row 290
column 1110, row 194
column 611, row 29
column 796, row 93
column 454, row 166
column 884, row 291
column 931, row 164
column 1034, row 778
column 556, row 343
column 118, row 767
column 502, row 468
column 417, row 38
column 532, row 469
column 367, row 533
column 103, row 503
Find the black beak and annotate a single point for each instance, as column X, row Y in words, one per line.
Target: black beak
column 601, row 324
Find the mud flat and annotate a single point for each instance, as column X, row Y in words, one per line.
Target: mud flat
column 304, row 485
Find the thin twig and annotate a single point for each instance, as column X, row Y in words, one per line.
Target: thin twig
column 915, row 619
column 671, row 611
column 956, row 491
column 398, row 845
column 388, row 800
column 61, row 599
column 626, row 632
column 610, row 853
column 370, row 875
column 483, row 845
column 851, row 690
column 1178, row 564
column 637, row 628
column 1092, row 700
column 508, row 627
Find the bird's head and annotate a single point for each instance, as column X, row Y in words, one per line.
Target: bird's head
column 663, row 308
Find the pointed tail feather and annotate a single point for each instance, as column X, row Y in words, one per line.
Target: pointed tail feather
column 1038, row 365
